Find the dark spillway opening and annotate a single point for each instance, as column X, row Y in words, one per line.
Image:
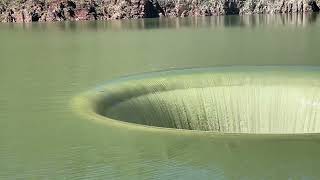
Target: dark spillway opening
column 230, row 102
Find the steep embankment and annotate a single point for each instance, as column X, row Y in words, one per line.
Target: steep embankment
column 60, row 10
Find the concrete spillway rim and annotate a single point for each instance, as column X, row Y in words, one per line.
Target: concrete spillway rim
column 83, row 106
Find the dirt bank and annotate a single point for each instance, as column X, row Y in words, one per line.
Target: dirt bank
column 77, row 10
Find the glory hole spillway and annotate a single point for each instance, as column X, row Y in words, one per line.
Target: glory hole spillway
column 259, row 100
column 228, row 97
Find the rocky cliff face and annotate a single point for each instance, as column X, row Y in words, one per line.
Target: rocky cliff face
column 76, row 10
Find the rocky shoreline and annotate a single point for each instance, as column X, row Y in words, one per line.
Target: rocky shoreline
column 80, row 10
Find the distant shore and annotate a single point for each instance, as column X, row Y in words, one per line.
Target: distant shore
column 81, row 10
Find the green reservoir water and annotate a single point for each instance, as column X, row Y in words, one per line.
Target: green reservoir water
column 44, row 66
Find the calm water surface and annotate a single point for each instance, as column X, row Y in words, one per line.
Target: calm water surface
column 43, row 66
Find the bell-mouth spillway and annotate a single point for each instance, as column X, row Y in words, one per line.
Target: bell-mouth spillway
column 257, row 100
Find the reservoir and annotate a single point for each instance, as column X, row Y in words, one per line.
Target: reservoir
column 45, row 66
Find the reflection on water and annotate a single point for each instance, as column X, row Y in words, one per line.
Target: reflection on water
column 177, row 23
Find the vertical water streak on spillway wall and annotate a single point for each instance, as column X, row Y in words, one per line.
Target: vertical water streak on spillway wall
column 222, row 109
column 73, row 10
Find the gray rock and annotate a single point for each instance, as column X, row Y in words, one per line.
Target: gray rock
column 72, row 10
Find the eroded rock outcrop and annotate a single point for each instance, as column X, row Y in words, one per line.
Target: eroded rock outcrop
column 73, row 10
